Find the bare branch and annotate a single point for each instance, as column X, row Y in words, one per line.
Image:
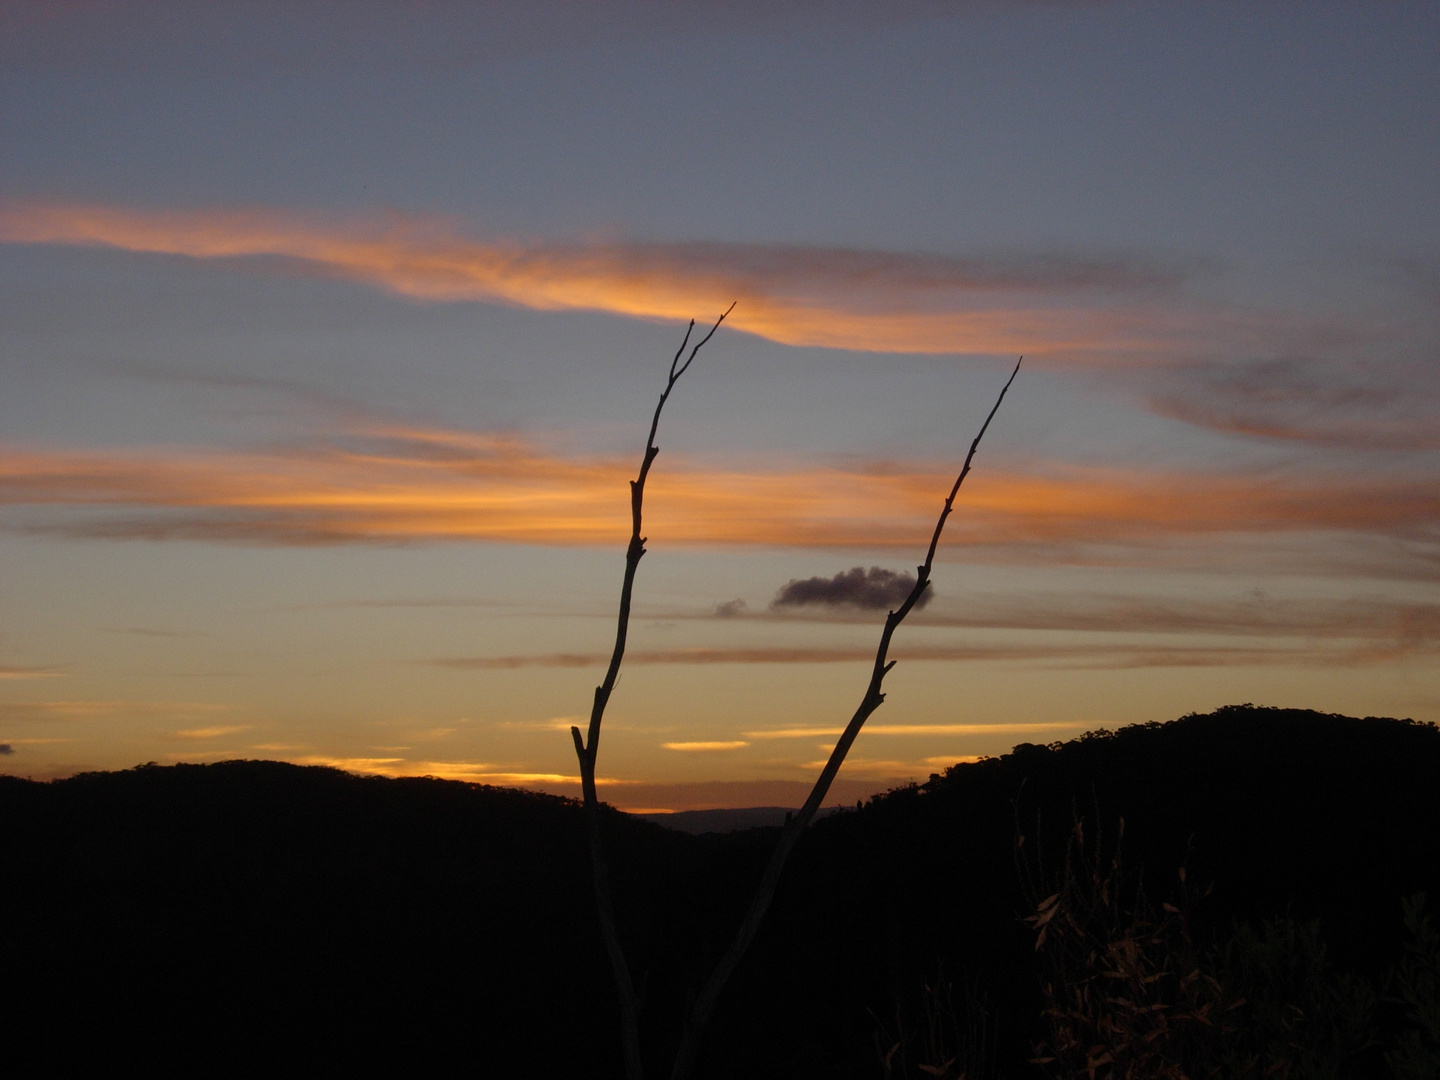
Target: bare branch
column 765, row 892
column 587, row 749
column 636, row 549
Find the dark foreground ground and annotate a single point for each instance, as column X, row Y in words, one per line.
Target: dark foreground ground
column 265, row 919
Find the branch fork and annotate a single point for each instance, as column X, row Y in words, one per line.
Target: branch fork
column 586, row 750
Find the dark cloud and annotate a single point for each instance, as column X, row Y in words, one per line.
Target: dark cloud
column 1309, row 401
column 728, row 609
column 877, row 589
column 783, row 269
column 6, row 749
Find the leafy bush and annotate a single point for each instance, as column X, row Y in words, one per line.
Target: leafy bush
column 1129, row 994
column 1416, row 986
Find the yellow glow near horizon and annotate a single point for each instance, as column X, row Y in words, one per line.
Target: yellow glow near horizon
column 701, row 747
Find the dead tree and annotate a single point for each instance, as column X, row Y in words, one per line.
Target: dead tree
column 588, row 747
column 585, row 749
column 873, row 699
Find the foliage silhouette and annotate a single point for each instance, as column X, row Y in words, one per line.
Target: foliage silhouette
column 1131, row 995
column 1416, row 987
column 256, row 917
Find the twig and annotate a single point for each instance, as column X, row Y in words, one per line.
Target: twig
column 586, row 749
column 873, row 699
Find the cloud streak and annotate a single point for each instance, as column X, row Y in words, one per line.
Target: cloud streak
column 1088, row 655
column 1059, row 304
column 212, row 732
column 916, row 729
column 1306, row 401
column 401, row 485
column 1402, row 622
column 705, row 747
column 11, row 711
column 10, row 671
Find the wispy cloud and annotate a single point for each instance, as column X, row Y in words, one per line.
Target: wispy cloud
column 555, row 723
column 403, row 485
column 11, row 671
column 892, row 769
column 1307, row 401
column 212, row 732
column 1402, row 623
column 915, row 730
column 478, row 772
column 1062, row 304
column 145, row 631
column 705, row 747
column 104, row 710
column 1109, row 655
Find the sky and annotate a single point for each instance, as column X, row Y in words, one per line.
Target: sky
column 330, row 335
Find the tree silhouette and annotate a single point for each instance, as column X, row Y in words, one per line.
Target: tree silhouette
column 586, row 749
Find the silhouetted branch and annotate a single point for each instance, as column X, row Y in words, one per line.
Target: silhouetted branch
column 873, row 699
column 586, row 749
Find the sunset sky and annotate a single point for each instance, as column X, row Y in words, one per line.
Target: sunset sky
column 330, row 334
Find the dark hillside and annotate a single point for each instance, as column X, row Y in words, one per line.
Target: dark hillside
column 1285, row 812
column 262, row 918
column 279, row 917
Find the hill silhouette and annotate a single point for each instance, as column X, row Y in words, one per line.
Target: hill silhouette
column 258, row 917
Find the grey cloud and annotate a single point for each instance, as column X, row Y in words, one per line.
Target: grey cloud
column 6, row 749
column 1377, row 625
column 877, row 589
column 31, row 671
column 728, row 609
column 782, row 269
column 1089, row 656
column 219, row 526
column 1308, row 401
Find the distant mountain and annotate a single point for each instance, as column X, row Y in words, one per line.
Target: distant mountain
column 699, row 822
column 268, row 919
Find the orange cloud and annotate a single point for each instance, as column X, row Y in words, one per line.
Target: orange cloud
column 212, row 732
column 703, row 747
column 836, row 298
column 477, row 772
column 11, row 672
column 915, row 729
column 103, row 710
column 401, row 485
